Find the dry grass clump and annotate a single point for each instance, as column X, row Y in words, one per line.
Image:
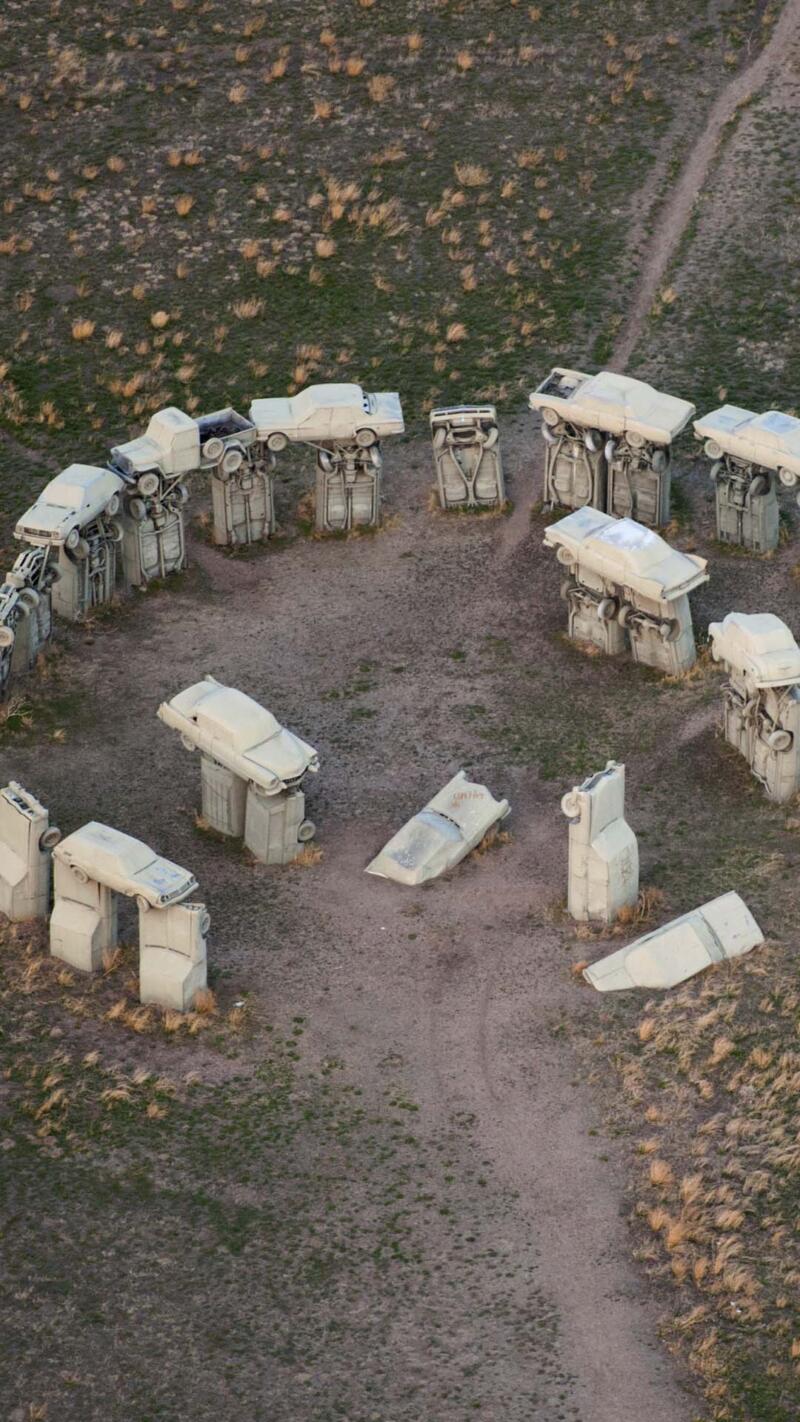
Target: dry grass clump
column 380, row 86
column 308, row 856
column 82, row 329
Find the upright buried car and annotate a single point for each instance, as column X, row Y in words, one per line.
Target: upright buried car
column 328, row 414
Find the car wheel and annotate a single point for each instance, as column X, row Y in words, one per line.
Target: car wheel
column 112, row 507
column 72, row 539
column 137, row 509
column 232, row 459
column 213, row 449
column 148, row 485
column 364, row 438
column 306, row 831
column 607, row 609
column 50, row 838
column 277, row 441
column 7, row 637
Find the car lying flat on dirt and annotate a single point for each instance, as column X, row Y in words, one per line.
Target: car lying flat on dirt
column 614, row 404
column 320, row 414
column 125, row 865
column 721, row 929
column 243, row 736
column 77, row 497
column 771, row 440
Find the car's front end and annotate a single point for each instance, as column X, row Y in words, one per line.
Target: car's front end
column 386, row 412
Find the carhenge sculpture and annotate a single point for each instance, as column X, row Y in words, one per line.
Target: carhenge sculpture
column 752, row 456
column 466, row 452
column 603, row 853
column 26, row 841
column 627, row 588
column 345, row 425
column 608, row 442
column 251, row 768
column 761, row 715
column 93, row 866
column 155, row 466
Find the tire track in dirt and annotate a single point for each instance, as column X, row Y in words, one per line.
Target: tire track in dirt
column 678, row 208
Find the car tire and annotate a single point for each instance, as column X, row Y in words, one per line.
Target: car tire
column 112, row 507
column 50, row 838
column 7, row 637
column 148, row 484
column 72, row 539
column 607, row 609
column 306, row 831
column 277, row 441
column 365, row 438
column 137, row 509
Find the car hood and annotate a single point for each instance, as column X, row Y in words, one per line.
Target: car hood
column 46, row 520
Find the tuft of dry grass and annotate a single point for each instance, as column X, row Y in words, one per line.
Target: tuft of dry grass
column 380, row 86
column 184, row 203
column 205, row 1001
column 82, row 329
column 308, row 856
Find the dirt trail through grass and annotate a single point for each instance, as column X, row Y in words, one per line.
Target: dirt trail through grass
column 672, row 222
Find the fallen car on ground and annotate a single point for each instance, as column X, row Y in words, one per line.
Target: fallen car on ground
column 441, row 834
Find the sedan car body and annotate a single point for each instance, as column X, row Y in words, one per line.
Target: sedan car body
column 321, row 414
column 723, row 928
column 124, row 864
column 625, row 553
column 614, row 404
column 239, row 734
column 758, row 647
column 78, row 496
column 771, row 440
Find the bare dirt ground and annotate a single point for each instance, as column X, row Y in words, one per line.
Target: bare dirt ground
column 401, row 1191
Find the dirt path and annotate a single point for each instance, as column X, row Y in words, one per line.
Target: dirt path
column 672, row 220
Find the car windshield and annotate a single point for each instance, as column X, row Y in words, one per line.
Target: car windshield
column 64, row 496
